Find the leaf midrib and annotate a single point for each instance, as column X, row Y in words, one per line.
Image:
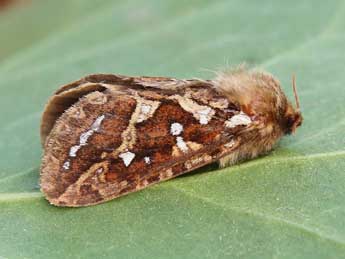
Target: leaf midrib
column 20, row 197
column 27, row 196
column 247, row 165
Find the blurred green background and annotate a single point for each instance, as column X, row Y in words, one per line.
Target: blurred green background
column 289, row 204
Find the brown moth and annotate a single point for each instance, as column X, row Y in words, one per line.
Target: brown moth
column 109, row 135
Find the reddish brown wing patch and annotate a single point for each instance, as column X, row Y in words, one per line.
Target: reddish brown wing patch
column 69, row 94
column 121, row 146
column 55, row 178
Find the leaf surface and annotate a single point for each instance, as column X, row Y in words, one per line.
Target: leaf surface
column 288, row 204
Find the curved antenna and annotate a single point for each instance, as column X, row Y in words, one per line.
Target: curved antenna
column 295, row 92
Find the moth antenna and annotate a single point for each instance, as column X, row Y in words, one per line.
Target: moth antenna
column 295, row 92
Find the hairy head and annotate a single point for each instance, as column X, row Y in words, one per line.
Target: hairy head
column 260, row 96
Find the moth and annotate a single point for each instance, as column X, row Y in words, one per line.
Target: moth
column 107, row 135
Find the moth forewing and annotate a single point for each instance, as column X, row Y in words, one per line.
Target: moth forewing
column 126, row 133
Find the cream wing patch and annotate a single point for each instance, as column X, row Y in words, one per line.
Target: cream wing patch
column 86, row 135
column 147, row 160
column 181, row 144
column 127, row 158
column 147, row 108
column 83, row 138
column 238, row 119
column 176, row 128
column 202, row 113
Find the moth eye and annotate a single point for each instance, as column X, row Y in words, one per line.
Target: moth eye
column 292, row 121
column 289, row 122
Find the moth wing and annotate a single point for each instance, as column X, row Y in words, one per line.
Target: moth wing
column 69, row 94
column 109, row 144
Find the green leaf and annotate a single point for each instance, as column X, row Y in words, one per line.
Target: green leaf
column 288, row 204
